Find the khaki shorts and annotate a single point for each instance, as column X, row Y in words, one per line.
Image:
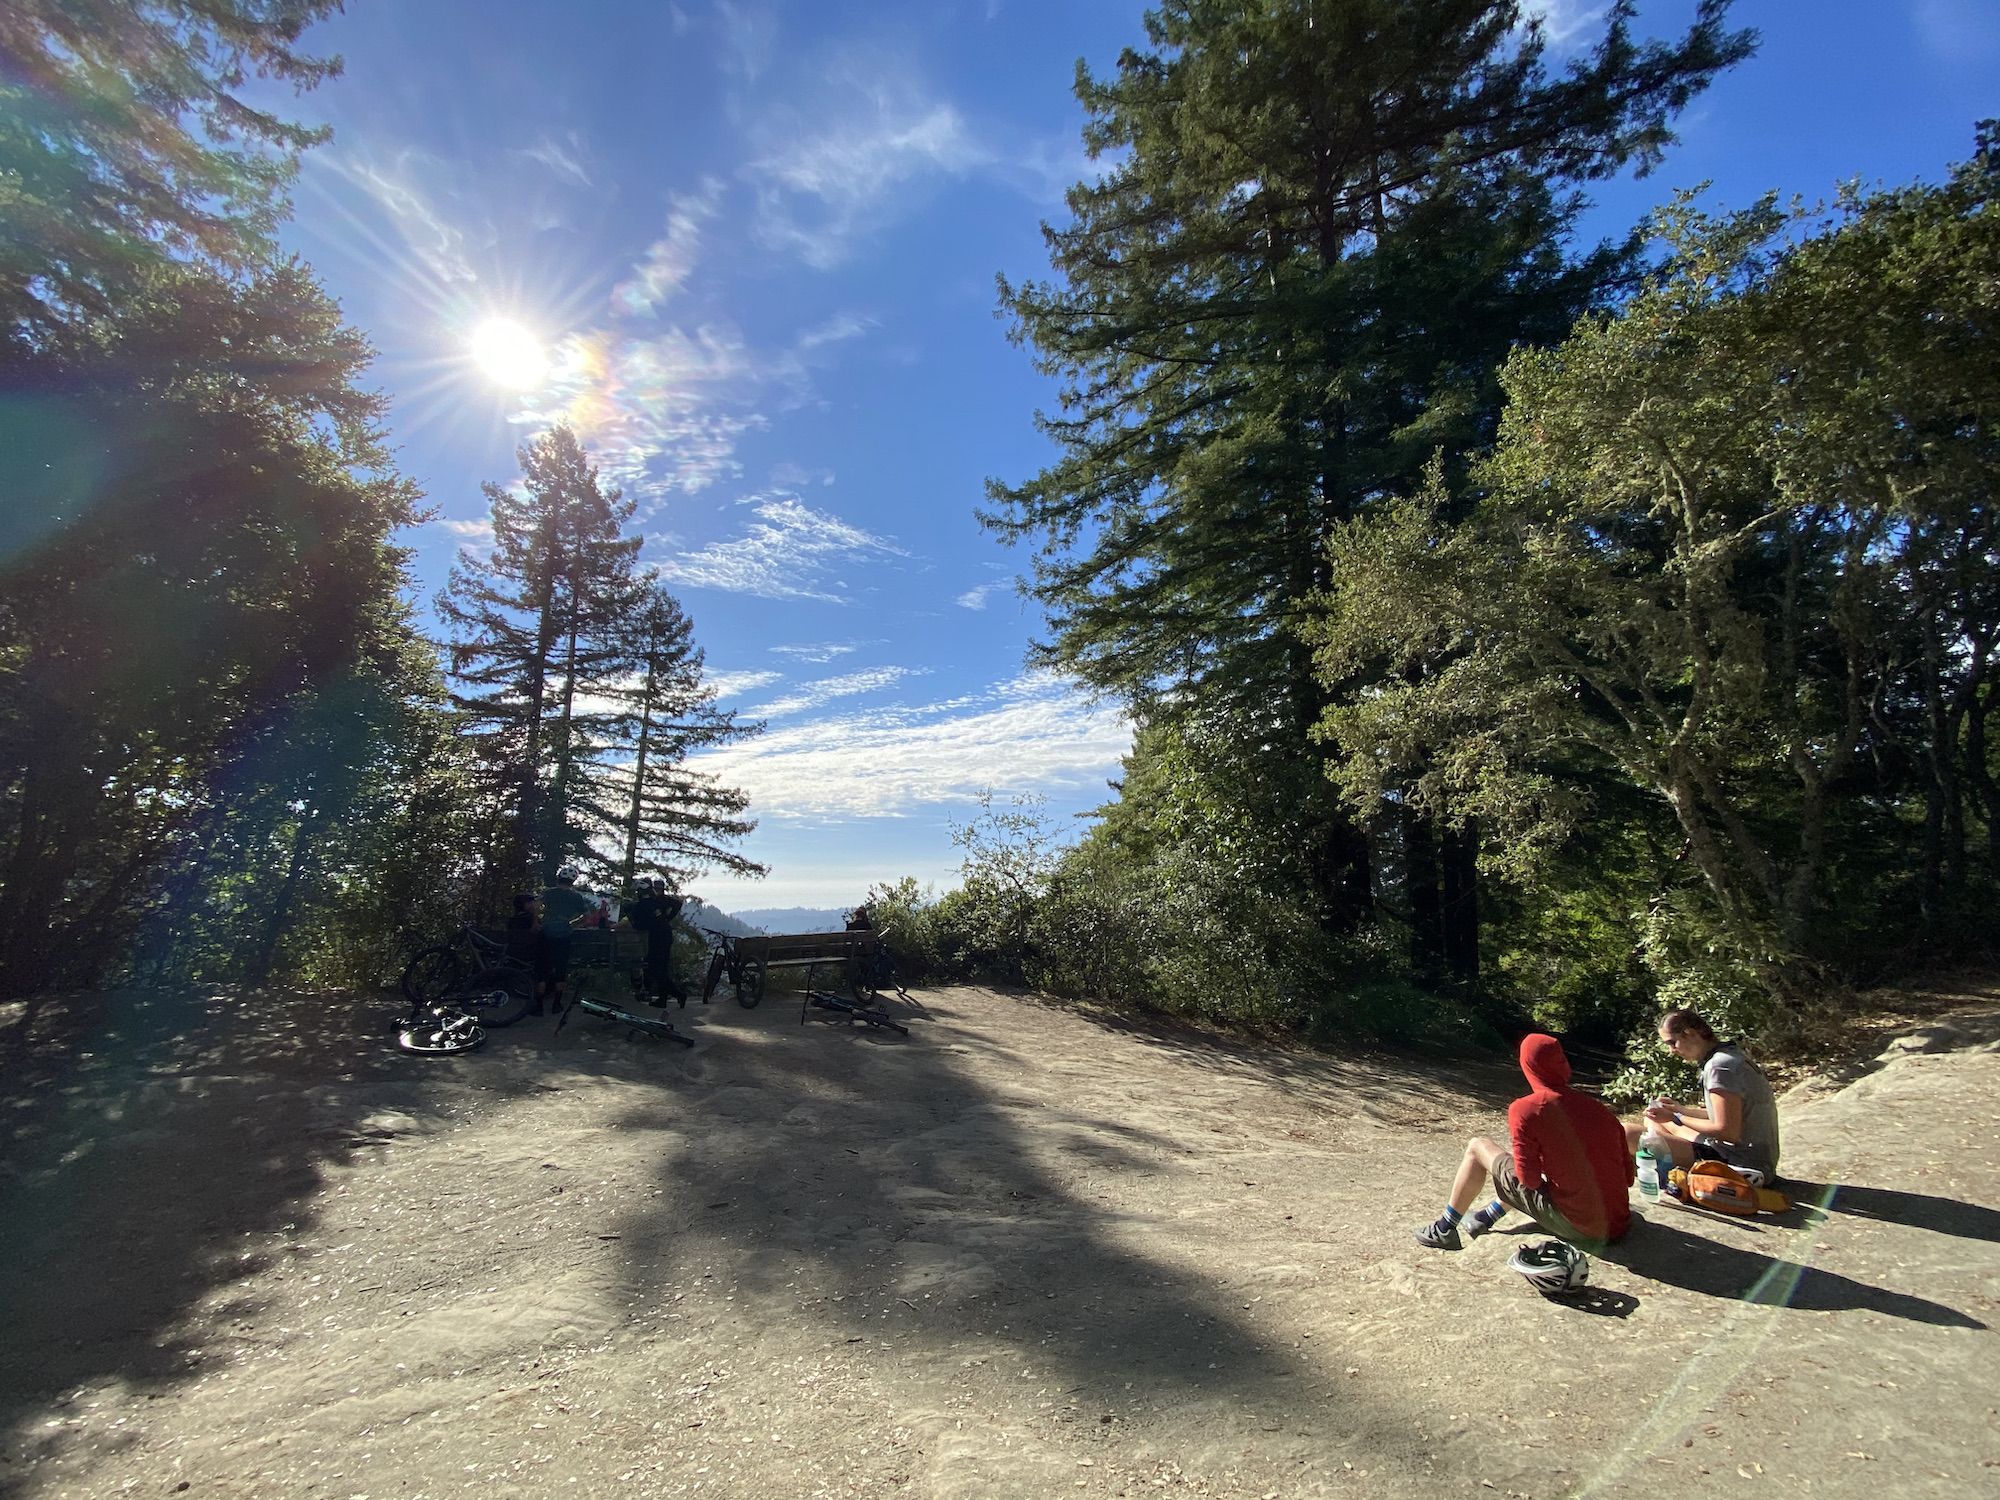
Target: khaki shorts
column 1533, row 1202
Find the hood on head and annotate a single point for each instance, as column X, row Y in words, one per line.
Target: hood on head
column 1543, row 1061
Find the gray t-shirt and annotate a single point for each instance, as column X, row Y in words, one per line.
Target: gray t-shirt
column 1728, row 1071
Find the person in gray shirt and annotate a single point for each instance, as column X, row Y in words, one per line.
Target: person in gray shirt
column 1737, row 1122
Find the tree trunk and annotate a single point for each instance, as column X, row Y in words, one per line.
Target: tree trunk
column 1420, row 888
column 280, row 915
column 637, row 805
column 1460, row 914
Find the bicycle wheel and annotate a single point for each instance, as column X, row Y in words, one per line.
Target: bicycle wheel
column 431, row 974
column 440, row 1035
column 497, row 995
column 750, row 988
column 716, row 966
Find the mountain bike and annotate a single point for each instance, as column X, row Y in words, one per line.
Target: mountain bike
column 613, row 959
column 470, row 976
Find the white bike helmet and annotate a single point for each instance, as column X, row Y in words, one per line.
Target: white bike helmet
column 567, row 875
column 1552, row 1267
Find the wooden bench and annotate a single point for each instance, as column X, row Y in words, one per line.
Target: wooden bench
column 748, row 961
column 851, row 956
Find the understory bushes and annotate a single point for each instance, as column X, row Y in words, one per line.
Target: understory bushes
column 1187, row 946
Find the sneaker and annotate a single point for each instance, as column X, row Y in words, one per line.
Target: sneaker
column 1441, row 1234
column 1478, row 1224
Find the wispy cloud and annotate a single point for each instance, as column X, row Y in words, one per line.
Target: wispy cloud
column 824, row 179
column 394, row 187
column 735, row 684
column 836, row 329
column 564, row 158
column 812, row 695
column 658, row 413
column 1961, row 32
column 666, row 264
column 789, row 475
column 1032, row 734
column 789, row 552
column 976, row 597
column 1563, row 21
column 819, row 654
column 749, row 36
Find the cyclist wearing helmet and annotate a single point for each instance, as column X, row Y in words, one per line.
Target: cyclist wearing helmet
column 563, row 907
column 653, row 914
column 1568, row 1169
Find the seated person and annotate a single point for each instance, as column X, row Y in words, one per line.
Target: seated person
column 1569, row 1169
column 861, row 919
column 1738, row 1120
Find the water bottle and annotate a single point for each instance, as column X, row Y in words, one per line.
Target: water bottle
column 1653, row 1160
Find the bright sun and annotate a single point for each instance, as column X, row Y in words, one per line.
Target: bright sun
column 508, row 354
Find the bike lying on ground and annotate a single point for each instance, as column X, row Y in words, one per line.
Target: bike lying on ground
column 616, row 960
column 459, row 988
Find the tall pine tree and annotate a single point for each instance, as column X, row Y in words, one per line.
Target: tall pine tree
column 1329, row 222
column 581, row 686
column 663, row 816
column 539, row 642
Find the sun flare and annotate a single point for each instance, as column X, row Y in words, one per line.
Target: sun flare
column 509, row 354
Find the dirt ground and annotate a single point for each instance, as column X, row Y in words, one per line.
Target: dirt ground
column 250, row 1249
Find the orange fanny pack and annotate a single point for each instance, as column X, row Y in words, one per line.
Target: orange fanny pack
column 1717, row 1185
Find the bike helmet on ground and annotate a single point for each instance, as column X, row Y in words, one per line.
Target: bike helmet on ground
column 1552, row 1266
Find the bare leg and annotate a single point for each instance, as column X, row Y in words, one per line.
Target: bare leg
column 1480, row 1154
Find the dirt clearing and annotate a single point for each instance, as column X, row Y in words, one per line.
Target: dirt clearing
column 251, row 1250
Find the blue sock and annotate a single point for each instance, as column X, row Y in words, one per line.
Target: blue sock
column 1451, row 1215
column 1491, row 1214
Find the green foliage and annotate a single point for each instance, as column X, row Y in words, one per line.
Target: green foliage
column 1733, row 559
column 196, row 548
column 1331, row 221
column 127, row 145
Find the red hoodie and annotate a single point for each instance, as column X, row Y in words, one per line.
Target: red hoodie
column 1570, row 1145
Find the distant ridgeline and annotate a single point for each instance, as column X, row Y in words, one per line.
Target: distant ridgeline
column 713, row 919
column 794, row 919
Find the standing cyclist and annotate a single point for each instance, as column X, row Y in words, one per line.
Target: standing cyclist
column 653, row 914
column 563, row 907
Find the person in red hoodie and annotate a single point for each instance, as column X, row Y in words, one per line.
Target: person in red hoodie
column 1569, row 1169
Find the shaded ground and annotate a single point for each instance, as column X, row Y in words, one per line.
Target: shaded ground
column 252, row 1250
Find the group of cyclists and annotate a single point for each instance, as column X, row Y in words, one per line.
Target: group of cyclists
column 540, row 933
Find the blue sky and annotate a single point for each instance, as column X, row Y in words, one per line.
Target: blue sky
column 759, row 243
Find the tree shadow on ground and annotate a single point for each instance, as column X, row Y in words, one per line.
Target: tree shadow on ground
column 895, row 1197
column 156, row 1146
column 1666, row 1253
column 1972, row 1221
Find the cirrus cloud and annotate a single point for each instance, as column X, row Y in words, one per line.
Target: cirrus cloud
column 790, row 551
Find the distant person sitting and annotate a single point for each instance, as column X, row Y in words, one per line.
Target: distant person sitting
column 653, row 914
column 861, row 919
column 1738, row 1120
column 1569, row 1168
column 563, row 909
